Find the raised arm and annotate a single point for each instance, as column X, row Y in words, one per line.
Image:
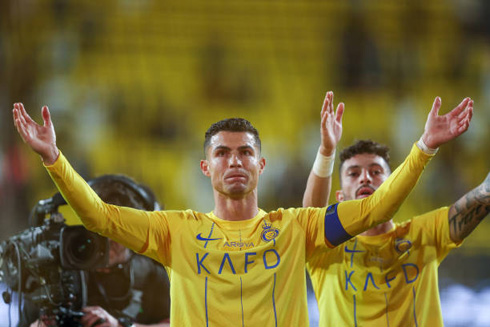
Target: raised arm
column 96, row 215
column 466, row 213
column 356, row 216
column 320, row 179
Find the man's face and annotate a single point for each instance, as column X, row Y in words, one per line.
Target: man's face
column 361, row 175
column 117, row 254
column 233, row 163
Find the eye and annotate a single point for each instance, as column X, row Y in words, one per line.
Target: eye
column 219, row 153
column 353, row 174
column 247, row 152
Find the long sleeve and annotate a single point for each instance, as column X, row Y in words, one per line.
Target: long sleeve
column 127, row 226
column 349, row 218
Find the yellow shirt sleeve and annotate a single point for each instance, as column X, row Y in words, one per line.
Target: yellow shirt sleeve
column 434, row 226
column 124, row 225
column 349, row 218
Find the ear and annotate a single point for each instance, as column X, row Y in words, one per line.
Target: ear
column 339, row 195
column 261, row 165
column 205, row 168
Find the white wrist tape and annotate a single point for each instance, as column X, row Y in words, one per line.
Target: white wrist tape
column 422, row 146
column 323, row 165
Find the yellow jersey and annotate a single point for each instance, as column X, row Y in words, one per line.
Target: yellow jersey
column 237, row 273
column 384, row 280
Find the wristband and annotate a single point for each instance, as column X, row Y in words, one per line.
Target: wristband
column 422, row 146
column 323, row 165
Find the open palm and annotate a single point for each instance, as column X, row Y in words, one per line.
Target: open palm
column 441, row 129
column 41, row 139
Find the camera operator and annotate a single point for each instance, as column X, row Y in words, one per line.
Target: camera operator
column 132, row 290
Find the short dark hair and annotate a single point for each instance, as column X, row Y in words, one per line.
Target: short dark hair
column 231, row 125
column 121, row 190
column 365, row 146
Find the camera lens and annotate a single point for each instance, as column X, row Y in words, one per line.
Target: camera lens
column 82, row 249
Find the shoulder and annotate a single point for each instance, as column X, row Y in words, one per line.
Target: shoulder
column 181, row 215
column 294, row 213
column 430, row 219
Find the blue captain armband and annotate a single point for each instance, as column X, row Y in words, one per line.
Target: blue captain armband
column 335, row 233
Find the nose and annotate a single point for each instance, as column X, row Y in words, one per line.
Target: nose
column 365, row 177
column 235, row 160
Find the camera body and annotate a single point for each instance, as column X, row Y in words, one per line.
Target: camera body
column 47, row 264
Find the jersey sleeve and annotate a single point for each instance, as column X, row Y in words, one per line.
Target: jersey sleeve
column 434, row 227
column 349, row 218
column 127, row 226
column 312, row 222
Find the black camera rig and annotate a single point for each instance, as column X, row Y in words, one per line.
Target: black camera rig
column 47, row 263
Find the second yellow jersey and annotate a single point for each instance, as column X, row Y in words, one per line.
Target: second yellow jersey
column 384, row 280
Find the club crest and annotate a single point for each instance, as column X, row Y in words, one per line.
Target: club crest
column 269, row 233
column 402, row 245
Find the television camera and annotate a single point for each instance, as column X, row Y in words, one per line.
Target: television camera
column 47, row 263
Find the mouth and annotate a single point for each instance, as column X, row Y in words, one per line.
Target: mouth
column 364, row 192
column 235, row 176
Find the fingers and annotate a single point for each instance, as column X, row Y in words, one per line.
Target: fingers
column 24, row 113
column 97, row 317
column 340, row 112
column 464, row 118
column 18, row 113
column 21, row 117
column 328, row 103
column 463, row 127
column 46, row 116
column 24, row 133
column 15, row 116
column 468, row 111
column 20, row 123
column 462, row 106
column 327, row 108
column 323, row 123
column 325, row 104
column 330, row 106
column 435, row 107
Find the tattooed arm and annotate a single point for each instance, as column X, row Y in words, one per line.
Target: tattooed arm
column 466, row 213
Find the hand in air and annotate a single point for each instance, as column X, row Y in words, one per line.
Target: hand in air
column 41, row 139
column 441, row 129
column 331, row 125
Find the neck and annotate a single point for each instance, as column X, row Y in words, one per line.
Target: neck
column 242, row 208
column 379, row 229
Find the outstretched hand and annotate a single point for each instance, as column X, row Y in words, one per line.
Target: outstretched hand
column 441, row 129
column 331, row 125
column 41, row 139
